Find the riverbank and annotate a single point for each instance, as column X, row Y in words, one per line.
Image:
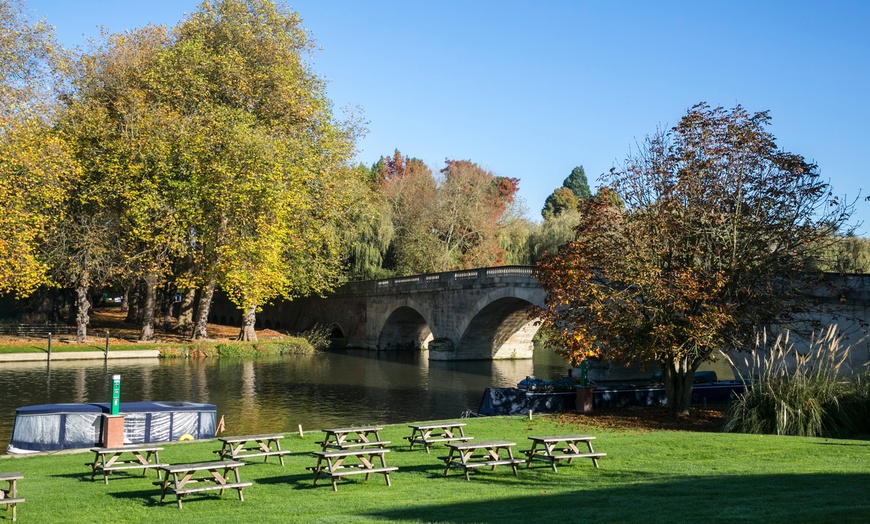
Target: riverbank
column 78, row 355
column 111, row 338
column 639, row 480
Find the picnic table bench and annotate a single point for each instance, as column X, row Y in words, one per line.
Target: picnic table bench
column 428, row 434
column 10, row 496
column 237, row 448
column 177, row 477
column 549, row 452
column 471, row 455
column 353, row 437
column 108, row 460
column 335, row 466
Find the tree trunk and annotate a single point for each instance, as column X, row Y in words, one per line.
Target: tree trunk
column 148, row 308
column 166, row 307
column 248, row 321
column 133, row 310
column 70, row 297
column 678, row 378
column 125, row 300
column 200, row 329
column 82, row 307
column 185, row 312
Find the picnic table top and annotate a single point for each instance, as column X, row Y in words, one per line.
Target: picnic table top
column 481, row 445
column 245, row 438
column 560, row 438
column 437, row 425
column 11, row 475
column 354, row 429
column 130, row 448
column 193, row 466
column 351, row 452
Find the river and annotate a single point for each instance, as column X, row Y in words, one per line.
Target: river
column 279, row 394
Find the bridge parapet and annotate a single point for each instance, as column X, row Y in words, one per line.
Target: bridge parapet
column 514, row 275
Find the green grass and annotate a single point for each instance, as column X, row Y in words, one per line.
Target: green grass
column 646, row 477
column 233, row 349
column 41, row 346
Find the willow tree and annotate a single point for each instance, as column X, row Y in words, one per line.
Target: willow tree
column 35, row 164
column 718, row 226
column 264, row 150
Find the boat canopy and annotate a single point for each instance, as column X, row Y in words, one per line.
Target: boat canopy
column 48, row 427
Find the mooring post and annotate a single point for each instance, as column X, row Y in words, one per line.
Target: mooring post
column 107, row 345
column 49, row 347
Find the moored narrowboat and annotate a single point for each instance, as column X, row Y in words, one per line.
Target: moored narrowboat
column 52, row 427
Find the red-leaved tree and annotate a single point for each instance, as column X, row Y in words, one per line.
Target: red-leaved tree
column 711, row 245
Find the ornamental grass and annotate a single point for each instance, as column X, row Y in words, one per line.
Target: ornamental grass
column 810, row 393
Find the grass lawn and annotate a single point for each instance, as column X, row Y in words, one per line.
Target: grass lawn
column 647, row 476
column 94, row 345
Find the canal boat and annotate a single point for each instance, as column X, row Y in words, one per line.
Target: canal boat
column 549, row 397
column 52, row 427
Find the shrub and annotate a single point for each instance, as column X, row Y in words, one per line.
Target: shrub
column 317, row 336
column 285, row 346
column 792, row 393
column 235, row 349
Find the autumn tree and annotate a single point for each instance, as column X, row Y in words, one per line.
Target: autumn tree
column 472, row 202
column 409, row 188
column 718, row 225
column 268, row 157
column 131, row 197
column 35, row 164
column 454, row 220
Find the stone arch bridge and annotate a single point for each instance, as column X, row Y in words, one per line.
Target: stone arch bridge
column 486, row 313
column 460, row 315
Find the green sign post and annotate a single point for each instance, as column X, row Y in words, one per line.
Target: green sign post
column 116, row 394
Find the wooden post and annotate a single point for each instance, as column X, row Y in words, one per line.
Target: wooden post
column 107, row 345
column 49, row 346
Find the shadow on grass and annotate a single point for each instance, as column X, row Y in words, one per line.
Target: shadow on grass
column 762, row 498
column 86, row 477
column 148, row 497
column 285, row 479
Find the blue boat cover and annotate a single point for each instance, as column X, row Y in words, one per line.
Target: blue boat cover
column 47, row 427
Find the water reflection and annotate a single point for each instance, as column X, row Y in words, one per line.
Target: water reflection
column 279, row 394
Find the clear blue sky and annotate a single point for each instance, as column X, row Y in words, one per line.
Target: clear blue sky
column 532, row 89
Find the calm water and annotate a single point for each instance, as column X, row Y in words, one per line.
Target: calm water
column 326, row 389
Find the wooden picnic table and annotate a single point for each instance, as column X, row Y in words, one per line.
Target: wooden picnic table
column 335, row 466
column 552, row 452
column 353, row 437
column 428, row 434
column 471, row 455
column 237, row 448
column 9, row 496
column 108, row 460
column 215, row 476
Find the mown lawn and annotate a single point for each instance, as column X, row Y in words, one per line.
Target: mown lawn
column 94, row 345
column 658, row 476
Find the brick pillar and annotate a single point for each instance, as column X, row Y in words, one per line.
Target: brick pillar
column 113, row 431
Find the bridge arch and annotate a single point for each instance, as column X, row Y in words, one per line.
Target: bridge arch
column 502, row 326
column 405, row 328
